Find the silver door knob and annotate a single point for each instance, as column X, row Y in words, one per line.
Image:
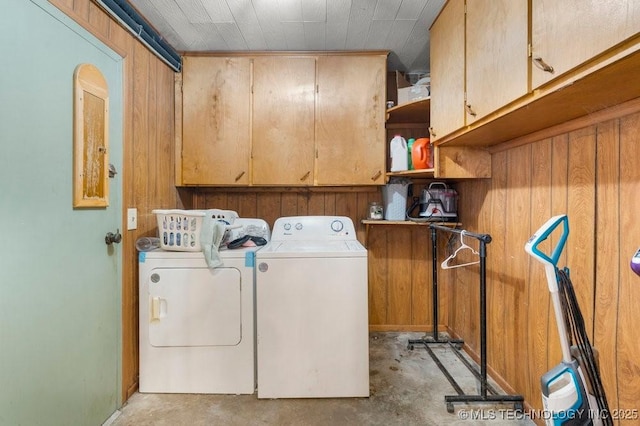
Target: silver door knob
column 111, row 238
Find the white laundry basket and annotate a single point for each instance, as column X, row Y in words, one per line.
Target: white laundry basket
column 394, row 197
column 179, row 230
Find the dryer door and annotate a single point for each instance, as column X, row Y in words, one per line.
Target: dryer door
column 194, row 307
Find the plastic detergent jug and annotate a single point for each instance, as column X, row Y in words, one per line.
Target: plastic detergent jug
column 421, row 154
column 410, row 143
column 398, row 151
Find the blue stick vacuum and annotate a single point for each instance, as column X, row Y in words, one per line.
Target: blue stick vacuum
column 572, row 392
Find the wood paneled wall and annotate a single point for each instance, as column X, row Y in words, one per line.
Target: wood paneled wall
column 592, row 175
column 148, row 156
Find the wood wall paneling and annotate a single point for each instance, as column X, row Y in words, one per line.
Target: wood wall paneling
column 591, row 175
column 581, row 212
column 607, row 267
column 538, row 290
column 559, row 190
column 628, row 345
column 496, row 349
column 516, row 263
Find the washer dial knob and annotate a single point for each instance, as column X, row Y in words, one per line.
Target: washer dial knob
column 337, row 225
column 287, row 226
column 298, row 226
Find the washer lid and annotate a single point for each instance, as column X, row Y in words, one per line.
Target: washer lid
column 298, row 248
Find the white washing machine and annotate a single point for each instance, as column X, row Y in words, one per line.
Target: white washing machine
column 312, row 310
column 197, row 325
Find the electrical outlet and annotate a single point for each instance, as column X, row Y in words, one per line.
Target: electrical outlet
column 132, row 219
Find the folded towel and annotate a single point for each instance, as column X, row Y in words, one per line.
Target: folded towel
column 210, row 239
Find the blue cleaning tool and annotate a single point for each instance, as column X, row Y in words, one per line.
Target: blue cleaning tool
column 564, row 388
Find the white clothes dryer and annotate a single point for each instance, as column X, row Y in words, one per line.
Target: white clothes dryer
column 197, row 332
column 312, row 310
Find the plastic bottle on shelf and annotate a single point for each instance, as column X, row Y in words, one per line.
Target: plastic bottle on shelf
column 398, row 151
column 410, row 143
column 421, row 154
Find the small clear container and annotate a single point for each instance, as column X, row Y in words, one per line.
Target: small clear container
column 375, row 211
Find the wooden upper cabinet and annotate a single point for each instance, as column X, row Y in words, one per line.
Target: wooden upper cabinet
column 496, row 55
column 283, row 120
column 216, row 120
column 350, row 117
column 447, row 70
column 568, row 33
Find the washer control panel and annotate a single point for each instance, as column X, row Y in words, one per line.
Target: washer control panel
column 314, row 228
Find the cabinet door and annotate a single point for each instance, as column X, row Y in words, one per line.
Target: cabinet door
column 497, row 57
column 283, row 120
column 215, row 121
column 350, row 133
column 447, row 70
column 567, row 33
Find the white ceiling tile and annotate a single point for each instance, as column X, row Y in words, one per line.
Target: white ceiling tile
column 314, row 35
column 294, row 34
column 208, row 39
column 336, row 36
column 270, row 24
column 399, row 33
column 314, row 10
column 378, row 33
column 194, row 11
column 222, row 25
column 290, row 10
column 359, row 22
column 245, row 17
column 338, row 11
column 386, row 9
column 431, row 12
column 410, row 9
column 231, row 35
column 217, row 10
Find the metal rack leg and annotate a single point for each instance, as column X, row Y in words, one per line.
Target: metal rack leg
column 485, row 387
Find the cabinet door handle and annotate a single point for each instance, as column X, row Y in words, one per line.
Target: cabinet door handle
column 432, row 132
column 542, row 65
column 306, row 175
column 376, row 176
column 470, row 111
column 239, row 175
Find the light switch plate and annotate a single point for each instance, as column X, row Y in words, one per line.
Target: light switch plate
column 132, row 219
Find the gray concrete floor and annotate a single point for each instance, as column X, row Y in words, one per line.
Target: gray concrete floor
column 407, row 388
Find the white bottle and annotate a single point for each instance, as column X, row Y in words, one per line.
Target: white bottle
column 398, row 152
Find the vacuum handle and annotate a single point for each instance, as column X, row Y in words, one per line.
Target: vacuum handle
column 432, row 184
column 541, row 234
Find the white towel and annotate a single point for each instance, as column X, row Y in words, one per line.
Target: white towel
column 210, row 239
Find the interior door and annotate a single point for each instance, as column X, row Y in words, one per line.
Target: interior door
column 60, row 286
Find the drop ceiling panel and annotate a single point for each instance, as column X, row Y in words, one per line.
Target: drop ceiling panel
column 400, row 26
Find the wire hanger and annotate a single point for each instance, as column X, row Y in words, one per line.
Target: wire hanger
column 463, row 245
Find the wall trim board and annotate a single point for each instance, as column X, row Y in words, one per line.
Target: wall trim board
column 617, row 111
column 422, row 328
column 282, row 189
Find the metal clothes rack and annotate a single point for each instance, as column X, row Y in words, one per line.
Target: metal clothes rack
column 488, row 393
